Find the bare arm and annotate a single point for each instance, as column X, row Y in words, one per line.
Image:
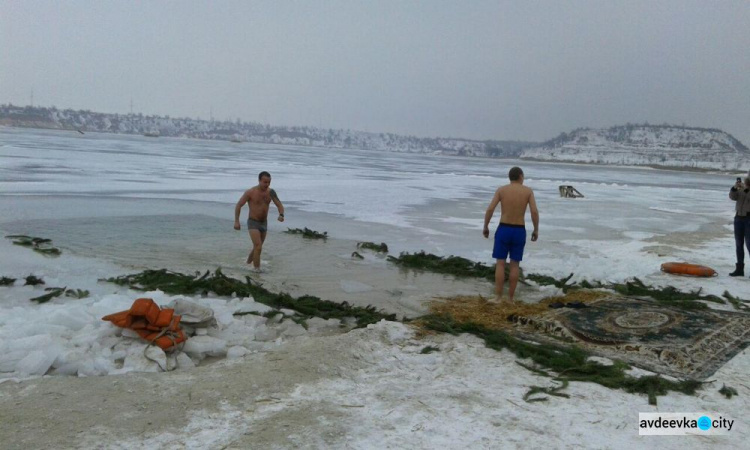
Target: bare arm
column 238, row 208
column 490, row 212
column 534, row 217
column 279, row 205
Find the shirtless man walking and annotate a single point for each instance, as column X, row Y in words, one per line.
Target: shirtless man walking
column 510, row 236
column 258, row 198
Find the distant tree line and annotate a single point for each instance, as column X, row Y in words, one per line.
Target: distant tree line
column 86, row 120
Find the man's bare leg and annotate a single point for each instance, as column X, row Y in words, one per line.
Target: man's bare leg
column 499, row 279
column 257, row 238
column 513, row 279
column 262, row 241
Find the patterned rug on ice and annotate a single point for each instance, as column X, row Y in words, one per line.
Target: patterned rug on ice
column 645, row 334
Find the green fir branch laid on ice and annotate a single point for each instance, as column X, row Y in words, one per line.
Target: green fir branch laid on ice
column 668, row 295
column 356, row 255
column 462, row 267
column 222, row 285
column 77, row 293
column 27, row 241
column 380, row 248
column 545, row 390
column 451, row 265
column 429, row 349
column 32, row 280
column 727, row 391
column 534, row 369
column 308, row 233
column 568, row 363
column 52, row 251
column 52, row 293
column 7, row 281
column 563, row 283
column 57, row 292
column 739, row 304
column 37, row 244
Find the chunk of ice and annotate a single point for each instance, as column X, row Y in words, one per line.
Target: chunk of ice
column 37, row 362
column 237, row 352
column 205, row 345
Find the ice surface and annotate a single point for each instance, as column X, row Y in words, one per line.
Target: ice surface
column 352, row 286
column 631, row 220
column 392, row 332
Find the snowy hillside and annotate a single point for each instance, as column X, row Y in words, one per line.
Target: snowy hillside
column 238, row 131
column 651, row 145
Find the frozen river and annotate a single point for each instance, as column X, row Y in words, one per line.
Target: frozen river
column 143, row 202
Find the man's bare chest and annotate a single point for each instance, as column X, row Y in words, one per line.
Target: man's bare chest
column 259, row 199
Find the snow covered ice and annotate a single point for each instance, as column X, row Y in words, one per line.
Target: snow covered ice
column 631, row 220
column 118, row 204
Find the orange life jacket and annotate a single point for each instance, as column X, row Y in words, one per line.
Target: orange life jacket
column 158, row 326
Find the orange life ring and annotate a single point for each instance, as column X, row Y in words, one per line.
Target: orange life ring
column 682, row 268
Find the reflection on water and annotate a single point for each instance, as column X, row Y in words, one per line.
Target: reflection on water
column 174, row 241
column 189, row 243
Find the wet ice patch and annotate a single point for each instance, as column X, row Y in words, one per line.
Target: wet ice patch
column 354, row 287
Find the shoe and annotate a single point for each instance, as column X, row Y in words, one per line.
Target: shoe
column 739, row 271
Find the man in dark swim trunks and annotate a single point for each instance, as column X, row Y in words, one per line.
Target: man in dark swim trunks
column 510, row 236
column 258, row 198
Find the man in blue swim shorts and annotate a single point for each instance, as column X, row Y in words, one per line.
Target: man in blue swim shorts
column 510, row 237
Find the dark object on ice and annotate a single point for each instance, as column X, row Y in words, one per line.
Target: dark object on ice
column 32, row 280
column 57, row 292
column 80, row 131
column 53, row 292
column 357, row 255
column 575, row 305
column 739, row 271
column 727, row 391
column 37, row 244
column 27, row 241
column 7, row 281
column 308, row 233
column 569, row 192
column 381, row 248
column 452, row 265
column 545, row 390
column 429, row 349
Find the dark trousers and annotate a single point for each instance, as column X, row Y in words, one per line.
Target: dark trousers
column 741, row 236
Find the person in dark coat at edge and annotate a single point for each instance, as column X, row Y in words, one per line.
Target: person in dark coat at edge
column 740, row 193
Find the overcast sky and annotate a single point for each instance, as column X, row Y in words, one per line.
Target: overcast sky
column 525, row 70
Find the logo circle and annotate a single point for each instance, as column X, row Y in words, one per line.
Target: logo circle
column 704, row 423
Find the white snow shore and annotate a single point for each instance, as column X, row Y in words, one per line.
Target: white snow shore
column 369, row 388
